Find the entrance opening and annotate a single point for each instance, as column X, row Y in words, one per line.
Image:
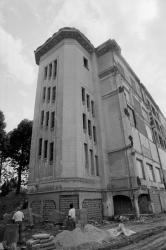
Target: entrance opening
column 144, row 204
column 122, row 205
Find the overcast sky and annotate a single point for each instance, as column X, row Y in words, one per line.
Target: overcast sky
column 139, row 27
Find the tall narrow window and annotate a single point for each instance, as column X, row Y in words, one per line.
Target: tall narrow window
column 92, row 108
column 83, row 95
column 86, row 157
column 85, row 60
column 47, row 118
column 40, row 147
column 150, row 172
column 50, row 70
column 51, row 152
column 52, row 119
column 140, row 169
column 132, row 116
column 158, row 175
column 45, row 73
column 89, row 128
column 92, row 162
column 55, row 69
column 94, row 134
column 44, row 94
column 84, row 122
column 42, row 118
column 97, row 165
column 53, row 93
column 45, row 148
column 88, row 101
column 48, row 94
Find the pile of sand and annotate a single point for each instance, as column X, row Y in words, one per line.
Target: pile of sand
column 92, row 236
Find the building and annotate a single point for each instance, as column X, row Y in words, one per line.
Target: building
column 99, row 138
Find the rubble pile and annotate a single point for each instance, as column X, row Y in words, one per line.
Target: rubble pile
column 41, row 241
column 91, row 236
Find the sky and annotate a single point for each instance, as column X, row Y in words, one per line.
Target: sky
column 139, row 27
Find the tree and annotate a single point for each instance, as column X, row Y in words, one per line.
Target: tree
column 2, row 141
column 19, row 149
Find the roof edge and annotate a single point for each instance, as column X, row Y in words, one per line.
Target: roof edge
column 57, row 37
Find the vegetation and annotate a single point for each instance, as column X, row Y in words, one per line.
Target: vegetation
column 2, row 141
column 14, row 155
column 19, row 148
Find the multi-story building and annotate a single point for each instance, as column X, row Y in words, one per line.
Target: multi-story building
column 94, row 143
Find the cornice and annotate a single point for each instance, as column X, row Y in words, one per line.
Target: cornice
column 109, row 45
column 111, row 70
column 57, row 37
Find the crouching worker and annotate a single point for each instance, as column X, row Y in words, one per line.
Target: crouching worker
column 18, row 218
column 71, row 217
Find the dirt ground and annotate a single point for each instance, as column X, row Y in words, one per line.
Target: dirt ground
column 150, row 233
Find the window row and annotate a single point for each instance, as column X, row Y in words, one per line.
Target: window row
column 91, row 161
column 49, row 94
column 86, row 100
column 87, row 126
column 158, row 139
column 50, row 71
column 48, row 119
column 46, row 149
column 154, row 173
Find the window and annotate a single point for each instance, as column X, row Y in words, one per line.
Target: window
column 97, row 165
column 88, row 101
column 153, row 110
column 150, row 172
column 89, row 128
column 47, row 118
column 83, row 95
column 53, row 94
column 155, row 136
column 140, row 169
column 50, row 70
column 40, row 147
column 127, row 95
column 94, row 134
column 86, row 156
column 161, row 141
column 45, row 73
column 55, row 68
column 145, row 114
column 48, row 94
column 84, row 121
column 85, row 62
column 132, row 116
column 92, row 162
column 51, row 152
column 42, row 118
column 149, row 132
column 92, row 108
column 52, row 119
column 158, row 175
column 45, row 148
column 44, row 94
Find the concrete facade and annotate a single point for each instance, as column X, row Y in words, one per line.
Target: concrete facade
column 93, row 140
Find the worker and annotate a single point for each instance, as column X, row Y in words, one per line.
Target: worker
column 18, row 218
column 72, row 217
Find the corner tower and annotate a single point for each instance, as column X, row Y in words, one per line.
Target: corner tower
column 65, row 152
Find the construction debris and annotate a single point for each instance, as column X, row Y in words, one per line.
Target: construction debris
column 41, row 241
column 91, row 236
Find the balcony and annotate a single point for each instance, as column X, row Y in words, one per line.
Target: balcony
column 124, row 183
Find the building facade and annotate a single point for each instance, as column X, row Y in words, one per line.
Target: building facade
column 96, row 140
